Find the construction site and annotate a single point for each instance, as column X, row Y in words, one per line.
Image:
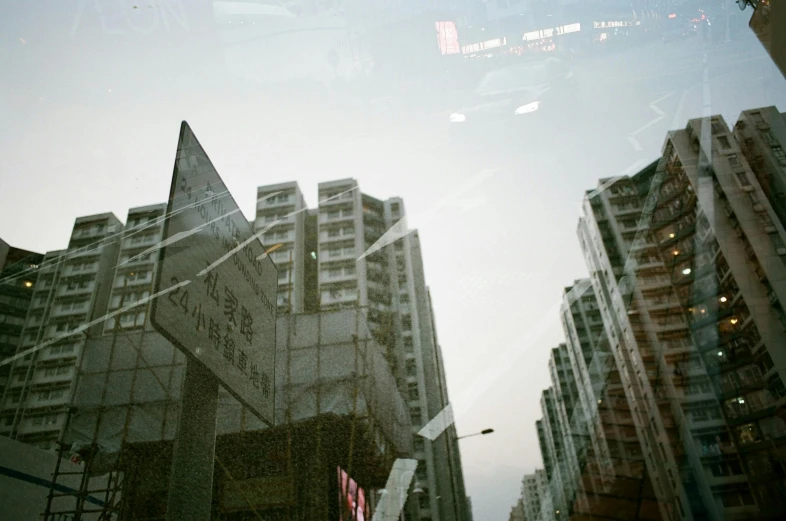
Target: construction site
column 339, row 419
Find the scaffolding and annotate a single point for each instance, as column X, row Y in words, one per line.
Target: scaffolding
column 336, row 406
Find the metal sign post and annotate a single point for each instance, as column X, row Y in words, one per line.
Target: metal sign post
column 191, row 482
column 218, row 307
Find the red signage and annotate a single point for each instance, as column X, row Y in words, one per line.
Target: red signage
column 447, row 38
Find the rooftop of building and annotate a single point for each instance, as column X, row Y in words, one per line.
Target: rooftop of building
column 108, row 216
column 286, row 185
column 147, row 209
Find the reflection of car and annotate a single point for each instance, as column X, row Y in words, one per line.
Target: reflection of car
column 679, row 33
column 515, row 98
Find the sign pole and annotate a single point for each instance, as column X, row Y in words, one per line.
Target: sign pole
column 191, row 482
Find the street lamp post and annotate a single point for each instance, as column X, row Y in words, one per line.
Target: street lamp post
column 460, row 506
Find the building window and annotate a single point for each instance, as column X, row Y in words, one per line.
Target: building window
column 66, row 348
column 780, row 155
column 50, row 395
column 136, row 275
column 417, row 416
column 411, row 367
column 748, row 433
column 333, row 233
column 734, row 161
column 726, row 468
column 724, row 142
column 77, row 284
column 776, row 387
column 65, row 326
column 406, row 322
column 412, row 389
column 423, row 502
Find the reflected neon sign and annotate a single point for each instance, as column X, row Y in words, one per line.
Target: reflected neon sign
column 620, row 23
column 447, row 38
column 548, row 33
column 482, row 46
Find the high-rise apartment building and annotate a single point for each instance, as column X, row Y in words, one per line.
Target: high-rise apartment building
column 588, row 445
column 325, row 252
column 136, row 266
column 553, row 449
column 321, row 268
column 536, row 496
column 281, row 210
column 71, row 285
column 767, row 23
column 613, row 480
column 675, row 342
column 689, row 289
column 761, row 136
column 18, row 276
column 564, row 401
column 517, row 512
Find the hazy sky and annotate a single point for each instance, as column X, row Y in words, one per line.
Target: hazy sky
column 89, row 114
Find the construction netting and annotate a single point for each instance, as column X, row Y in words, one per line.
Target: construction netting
column 130, row 382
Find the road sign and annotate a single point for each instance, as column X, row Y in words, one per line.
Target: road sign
column 223, row 314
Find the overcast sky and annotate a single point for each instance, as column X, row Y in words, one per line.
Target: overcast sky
column 89, row 114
